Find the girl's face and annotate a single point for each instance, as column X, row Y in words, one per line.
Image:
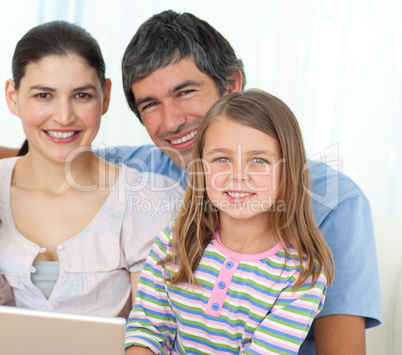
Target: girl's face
column 60, row 102
column 242, row 168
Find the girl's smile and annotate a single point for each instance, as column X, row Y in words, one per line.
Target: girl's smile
column 242, row 167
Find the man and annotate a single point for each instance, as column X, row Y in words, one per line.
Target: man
column 174, row 69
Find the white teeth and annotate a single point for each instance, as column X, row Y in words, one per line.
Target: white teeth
column 238, row 194
column 57, row 134
column 185, row 138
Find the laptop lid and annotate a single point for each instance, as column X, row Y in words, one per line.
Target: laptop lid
column 27, row 331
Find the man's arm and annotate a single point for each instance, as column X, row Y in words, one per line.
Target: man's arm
column 352, row 303
column 8, row 152
column 134, row 279
column 340, row 335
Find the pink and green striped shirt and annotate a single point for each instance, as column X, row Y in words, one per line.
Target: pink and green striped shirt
column 242, row 303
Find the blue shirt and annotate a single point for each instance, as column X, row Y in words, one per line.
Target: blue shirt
column 341, row 211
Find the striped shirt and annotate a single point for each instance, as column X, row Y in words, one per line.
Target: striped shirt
column 241, row 304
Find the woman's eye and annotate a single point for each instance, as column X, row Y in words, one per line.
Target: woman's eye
column 83, row 95
column 43, row 95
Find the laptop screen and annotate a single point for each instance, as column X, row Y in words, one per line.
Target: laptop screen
column 26, row 331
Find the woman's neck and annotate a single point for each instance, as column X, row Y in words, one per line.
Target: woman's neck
column 83, row 173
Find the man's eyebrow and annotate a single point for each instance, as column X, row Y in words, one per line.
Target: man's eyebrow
column 184, row 85
column 143, row 100
column 178, row 87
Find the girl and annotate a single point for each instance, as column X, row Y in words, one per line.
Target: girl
column 75, row 232
column 244, row 269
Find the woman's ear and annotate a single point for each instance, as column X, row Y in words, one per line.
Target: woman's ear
column 235, row 82
column 11, row 97
column 106, row 95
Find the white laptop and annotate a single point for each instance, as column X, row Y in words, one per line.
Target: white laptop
column 25, row 331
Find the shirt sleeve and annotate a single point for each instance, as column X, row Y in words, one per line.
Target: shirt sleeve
column 150, row 207
column 349, row 232
column 152, row 323
column 286, row 326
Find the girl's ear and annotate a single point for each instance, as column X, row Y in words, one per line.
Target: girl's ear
column 106, row 95
column 235, row 82
column 11, row 97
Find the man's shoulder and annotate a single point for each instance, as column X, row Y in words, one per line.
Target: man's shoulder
column 331, row 188
column 125, row 154
column 145, row 158
column 324, row 177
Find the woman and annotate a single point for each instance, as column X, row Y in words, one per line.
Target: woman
column 75, row 232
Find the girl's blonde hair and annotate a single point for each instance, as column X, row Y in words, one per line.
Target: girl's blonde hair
column 293, row 225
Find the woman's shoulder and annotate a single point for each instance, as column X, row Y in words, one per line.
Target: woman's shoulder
column 150, row 186
column 6, row 169
column 8, row 162
column 151, row 180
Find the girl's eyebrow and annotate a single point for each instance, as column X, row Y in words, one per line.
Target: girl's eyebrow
column 250, row 152
column 261, row 152
column 218, row 150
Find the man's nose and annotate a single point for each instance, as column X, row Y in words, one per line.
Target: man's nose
column 173, row 117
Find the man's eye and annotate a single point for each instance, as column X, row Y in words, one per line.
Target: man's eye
column 148, row 106
column 185, row 92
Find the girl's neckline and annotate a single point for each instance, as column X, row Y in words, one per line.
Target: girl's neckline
column 244, row 257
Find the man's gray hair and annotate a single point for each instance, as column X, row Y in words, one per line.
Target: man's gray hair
column 168, row 37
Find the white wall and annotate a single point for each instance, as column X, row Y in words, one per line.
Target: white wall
column 336, row 63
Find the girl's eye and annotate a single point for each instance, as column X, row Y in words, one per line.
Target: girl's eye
column 259, row 161
column 221, row 160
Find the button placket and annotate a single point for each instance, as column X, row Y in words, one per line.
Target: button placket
column 218, row 294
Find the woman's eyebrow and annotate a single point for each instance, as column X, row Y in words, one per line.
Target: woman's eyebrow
column 41, row 87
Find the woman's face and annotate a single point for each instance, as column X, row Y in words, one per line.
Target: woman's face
column 60, row 102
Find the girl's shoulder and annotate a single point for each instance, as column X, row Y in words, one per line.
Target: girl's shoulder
column 166, row 235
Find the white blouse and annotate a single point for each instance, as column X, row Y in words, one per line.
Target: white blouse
column 95, row 265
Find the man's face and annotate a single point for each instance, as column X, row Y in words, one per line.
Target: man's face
column 172, row 102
